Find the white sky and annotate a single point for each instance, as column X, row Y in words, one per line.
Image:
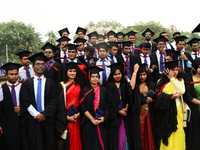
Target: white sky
column 46, row 15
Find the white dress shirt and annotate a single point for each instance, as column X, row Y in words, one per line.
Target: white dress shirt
column 158, row 58
column 32, row 110
column 114, row 58
column 193, row 55
column 22, row 72
column 62, row 53
column 17, row 90
column 99, row 64
column 168, row 46
column 148, row 60
column 80, row 53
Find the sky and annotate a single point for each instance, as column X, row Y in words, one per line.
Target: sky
column 46, row 15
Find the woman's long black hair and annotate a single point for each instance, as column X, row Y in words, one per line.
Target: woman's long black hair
column 111, row 79
column 65, row 78
column 147, row 79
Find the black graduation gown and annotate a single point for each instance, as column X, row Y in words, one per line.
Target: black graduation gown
column 57, row 54
column 137, row 52
column 153, row 48
column 192, row 131
column 53, row 74
column 37, row 130
column 81, row 58
column 165, row 117
column 120, row 59
column 10, row 123
column 114, row 117
column 90, row 138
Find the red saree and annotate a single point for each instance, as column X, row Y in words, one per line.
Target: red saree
column 72, row 97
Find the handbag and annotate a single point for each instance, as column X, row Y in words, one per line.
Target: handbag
column 64, row 134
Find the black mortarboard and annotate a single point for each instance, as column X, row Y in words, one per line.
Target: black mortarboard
column 24, row 53
column 180, row 38
column 63, row 30
column 49, row 46
column 197, row 29
column 175, row 33
column 126, row 43
column 101, row 36
column 111, row 44
column 142, row 68
column 151, row 94
column 92, row 34
column 173, row 54
column 116, row 66
column 71, row 65
column 131, row 33
column 80, row 40
column 63, row 39
column 102, row 45
column 148, row 30
column 120, row 34
column 171, row 64
column 72, row 46
column 10, row 66
column 111, row 33
column 92, row 70
column 192, row 41
column 38, row 56
column 160, row 39
column 79, row 29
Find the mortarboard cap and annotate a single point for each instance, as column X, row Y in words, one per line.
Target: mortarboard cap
column 102, row 45
column 126, row 43
column 160, row 39
column 80, row 40
column 49, row 46
column 111, row 33
column 63, row 30
column 175, row 33
column 120, row 34
column 23, row 54
column 192, row 41
column 142, row 68
column 180, row 38
column 151, row 94
column 79, row 29
column 173, row 54
column 171, row 64
column 72, row 46
column 148, row 30
column 197, row 29
column 71, row 65
column 38, row 56
column 101, row 36
column 95, row 34
column 92, row 70
column 116, row 66
column 131, row 33
column 10, row 66
column 111, row 44
column 63, row 39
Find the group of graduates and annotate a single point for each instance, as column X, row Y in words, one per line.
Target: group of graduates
column 97, row 95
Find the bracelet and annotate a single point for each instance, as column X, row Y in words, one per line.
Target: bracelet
column 133, row 74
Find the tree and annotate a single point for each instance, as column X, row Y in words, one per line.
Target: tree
column 18, row 37
column 51, row 37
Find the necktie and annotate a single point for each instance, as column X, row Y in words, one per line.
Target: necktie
column 128, row 70
column 112, row 58
column 95, row 53
column 13, row 94
column 39, row 95
column 161, row 63
column 88, row 62
column 103, row 72
column 27, row 73
column 195, row 55
column 133, row 50
column 65, row 56
column 80, row 54
column 145, row 60
column 48, row 67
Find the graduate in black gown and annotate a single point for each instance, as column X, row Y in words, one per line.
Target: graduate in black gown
column 132, row 37
column 53, row 68
column 94, row 113
column 118, row 96
column 38, row 106
column 9, row 109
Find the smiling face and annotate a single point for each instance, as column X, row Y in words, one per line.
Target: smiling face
column 71, row 73
column 117, row 76
column 94, row 79
column 131, row 39
column 39, row 67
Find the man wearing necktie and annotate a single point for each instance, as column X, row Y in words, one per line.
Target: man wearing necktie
column 112, row 51
column 26, row 71
column 10, row 130
column 132, row 37
column 38, row 101
column 93, row 41
column 80, row 49
column 194, row 45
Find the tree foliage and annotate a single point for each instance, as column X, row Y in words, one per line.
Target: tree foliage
column 18, row 37
column 51, row 37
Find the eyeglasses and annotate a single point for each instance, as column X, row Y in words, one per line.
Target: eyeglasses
column 148, row 34
column 40, row 64
column 48, row 52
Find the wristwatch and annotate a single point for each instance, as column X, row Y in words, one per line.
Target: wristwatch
column 133, row 74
